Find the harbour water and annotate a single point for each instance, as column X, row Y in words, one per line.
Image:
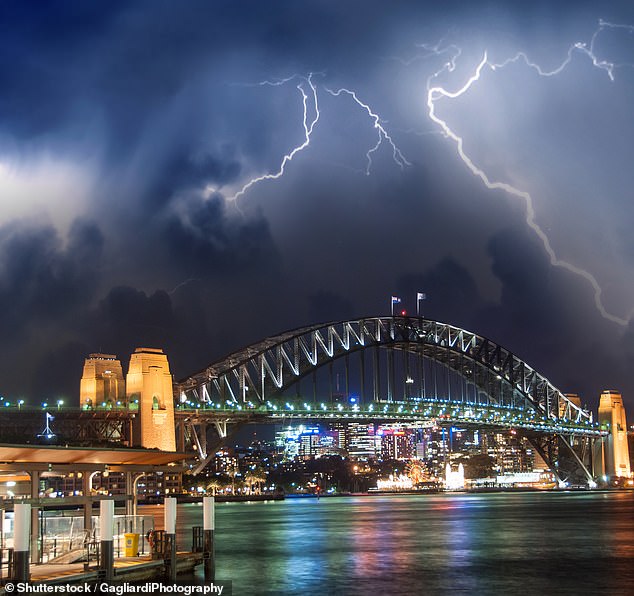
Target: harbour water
column 503, row 543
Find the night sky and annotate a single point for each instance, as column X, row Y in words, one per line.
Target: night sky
column 128, row 129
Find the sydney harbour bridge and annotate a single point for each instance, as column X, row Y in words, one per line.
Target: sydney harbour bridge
column 389, row 369
column 377, row 370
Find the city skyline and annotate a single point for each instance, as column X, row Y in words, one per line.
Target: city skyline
column 147, row 200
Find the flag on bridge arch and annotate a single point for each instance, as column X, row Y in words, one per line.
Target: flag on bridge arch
column 395, row 300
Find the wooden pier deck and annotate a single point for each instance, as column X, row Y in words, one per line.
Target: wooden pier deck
column 127, row 569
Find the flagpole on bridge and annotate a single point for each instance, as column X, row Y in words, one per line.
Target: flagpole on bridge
column 419, row 296
column 395, row 300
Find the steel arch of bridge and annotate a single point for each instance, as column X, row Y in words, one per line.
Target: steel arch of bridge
column 252, row 379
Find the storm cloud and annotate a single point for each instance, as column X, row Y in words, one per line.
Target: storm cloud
column 126, row 129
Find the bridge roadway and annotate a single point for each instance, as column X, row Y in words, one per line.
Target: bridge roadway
column 77, row 426
column 426, row 412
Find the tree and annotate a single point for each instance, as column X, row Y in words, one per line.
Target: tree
column 478, row 465
column 214, row 486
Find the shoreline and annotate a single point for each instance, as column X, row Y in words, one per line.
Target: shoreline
column 483, row 490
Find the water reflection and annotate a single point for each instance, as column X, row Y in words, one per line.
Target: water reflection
column 528, row 543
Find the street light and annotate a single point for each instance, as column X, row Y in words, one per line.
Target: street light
column 60, row 402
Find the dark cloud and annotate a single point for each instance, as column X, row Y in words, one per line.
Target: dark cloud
column 149, row 318
column 43, row 280
column 537, row 316
column 57, row 373
column 186, row 173
column 204, row 241
column 451, row 293
column 163, row 103
column 328, row 306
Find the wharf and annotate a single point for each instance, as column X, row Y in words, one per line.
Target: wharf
column 126, row 569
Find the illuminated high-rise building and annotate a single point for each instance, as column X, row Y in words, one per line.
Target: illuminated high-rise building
column 396, row 443
column 361, row 440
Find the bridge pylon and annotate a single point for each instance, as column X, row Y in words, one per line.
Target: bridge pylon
column 102, row 384
column 611, row 453
column 149, row 387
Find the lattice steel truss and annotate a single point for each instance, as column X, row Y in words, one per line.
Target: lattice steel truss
column 70, row 426
column 263, row 371
column 253, row 381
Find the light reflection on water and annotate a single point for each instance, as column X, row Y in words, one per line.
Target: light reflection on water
column 510, row 543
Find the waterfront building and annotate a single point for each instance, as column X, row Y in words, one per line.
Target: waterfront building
column 151, row 484
column 306, row 441
column 509, row 452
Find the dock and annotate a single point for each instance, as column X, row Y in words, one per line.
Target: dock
column 126, row 569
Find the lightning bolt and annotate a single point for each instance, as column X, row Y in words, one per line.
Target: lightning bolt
column 181, row 284
column 382, row 134
column 310, row 103
column 309, row 126
column 436, row 93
